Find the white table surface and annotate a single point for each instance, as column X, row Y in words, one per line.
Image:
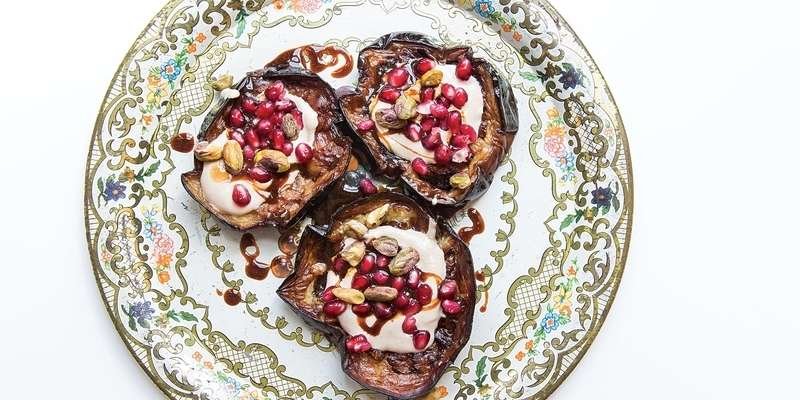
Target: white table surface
column 707, row 90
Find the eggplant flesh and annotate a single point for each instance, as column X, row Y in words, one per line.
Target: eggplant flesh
column 499, row 120
column 398, row 375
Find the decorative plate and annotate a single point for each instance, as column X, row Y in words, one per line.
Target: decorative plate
column 557, row 217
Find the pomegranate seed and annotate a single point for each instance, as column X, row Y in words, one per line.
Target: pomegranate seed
column 424, row 65
column 249, row 153
column 432, row 140
column 464, row 68
column 265, row 109
column 327, row 295
column 278, row 139
column 238, row 136
column 383, row 310
column 448, row 91
column 287, row 148
column 358, row 344
column 412, row 279
column 284, row 105
column 360, row 282
column 304, row 153
column 421, row 339
column 389, row 95
column 334, row 308
column 397, row 77
column 443, row 101
column 260, row 174
column 413, row 132
column 413, row 307
column 249, row 105
column 427, row 123
column 240, row 195
column 382, row 261
column 439, row 111
column 339, row 265
column 443, row 154
column 398, row 283
column 275, row 90
column 454, row 121
column 460, row 98
column 367, row 264
column 470, row 132
column 451, row 307
column 401, row 301
column 362, row 310
column 409, row 325
column 298, row 117
column 276, row 119
column 460, row 141
column 424, row 294
column 365, row 125
column 419, row 166
column 380, row 277
column 367, row 187
column 428, row 94
column 264, row 127
column 236, row 118
column 252, row 139
column 448, row 289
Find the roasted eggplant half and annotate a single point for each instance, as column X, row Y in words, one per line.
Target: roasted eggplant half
column 440, row 118
column 266, row 154
column 393, row 288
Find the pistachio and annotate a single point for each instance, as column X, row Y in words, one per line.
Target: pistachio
column 273, row 160
column 205, row 151
column 431, row 78
column 319, row 269
column 386, row 245
column 380, row 293
column 460, row 180
column 387, row 118
column 348, row 295
column 405, row 107
column 354, row 229
column 233, row 156
column 375, row 217
column 289, row 126
column 404, row 261
column 354, row 253
column 222, row 83
column 413, row 91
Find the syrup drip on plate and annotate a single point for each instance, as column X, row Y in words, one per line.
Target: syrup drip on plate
column 182, row 142
column 253, row 268
column 468, row 232
column 232, row 297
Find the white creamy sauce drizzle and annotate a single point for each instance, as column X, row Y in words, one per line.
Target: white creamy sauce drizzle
column 220, row 193
column 472, row 111
column 391, row 337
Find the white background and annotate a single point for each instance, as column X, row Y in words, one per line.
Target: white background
column 708, row 93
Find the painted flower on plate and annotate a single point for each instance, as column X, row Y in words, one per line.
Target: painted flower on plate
column 549, row 322
column 170, row 70
column 601, row 197
column 484, row 8
column 114, row 190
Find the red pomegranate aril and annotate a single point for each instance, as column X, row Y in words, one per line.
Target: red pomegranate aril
column 470, row 132
column 383, row 310
column 443, row 101
column 240, row 195
column 339, row 265
column 284, row 105
column 260, row 174
column 365, row 125
column 460, row 141
column 409, row 325
column 389, row 95
column 327, row 294
column 413, row 132
column 432, row 140
column 360, row 282
column 263, row 127
column 367, row 264
column 238, row 136
column 304, row 153
column 439, row 111
column 362, row 310
column 427, row 94
column 249, row 105
column 236, row 118
column 249, row 153
column 401, row 301
column 419, row 166
column 413, row 307
column 334, row 308
column 464, row 68
column 454, row 121
column 421, row 339
column 460, row 98
column 397, row 77
column 424, row 65
column 265, row 109
column 398, row 283
column 443, row 154
column 358, row 344
column 412, row 279
column 278, row 139
column 367, row 187
column 276, row 119
column 427, row 123
column 382, row 261
column 275, row 90
column 380, row 277
column 448, row 289
column 287, row 148
column 448, row 91
column 252, row 139
column 424, row 294
column 451, row 307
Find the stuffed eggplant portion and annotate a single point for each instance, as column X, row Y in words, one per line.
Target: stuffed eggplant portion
column 393, row 288
column 267, row 153
column 440, row 118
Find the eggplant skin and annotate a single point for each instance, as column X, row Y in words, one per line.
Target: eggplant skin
column 331, row 149
column 500, row 120
column 399, row 376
